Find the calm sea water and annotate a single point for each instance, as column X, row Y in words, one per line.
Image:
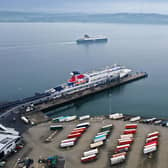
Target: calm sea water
column 38, row 56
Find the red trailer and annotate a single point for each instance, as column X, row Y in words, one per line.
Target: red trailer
column 130, row 131
column 78, row 131
column 151, row 143
column 74, row 135
column 88, row 158
column 156, row 133
column 122, row 148
column 155, row 138
column 81, row 128
column 119, row 154
column 125, row 141
column 131, row 126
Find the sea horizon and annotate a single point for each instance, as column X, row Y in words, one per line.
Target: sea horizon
column 120, row 17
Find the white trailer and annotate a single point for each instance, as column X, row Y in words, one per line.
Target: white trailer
column 71, row 118
column 126, row 136
column 133, row 119
column 154, row 138
column 156, row 133
column 148, row 146
column 104, row 132
column 116, row 116
column 86, row 124
column 67, row 144
column 25, row 120
column 69, row 140
column 150, row 149
column 117, row 160
column 96, row 144
column 85, row 117
column 91, row 152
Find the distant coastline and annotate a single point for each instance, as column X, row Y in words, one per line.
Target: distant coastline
column 127, row 18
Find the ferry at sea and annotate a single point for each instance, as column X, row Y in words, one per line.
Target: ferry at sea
column 95, row 39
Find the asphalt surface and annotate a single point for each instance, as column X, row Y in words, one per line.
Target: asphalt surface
column 36, row 147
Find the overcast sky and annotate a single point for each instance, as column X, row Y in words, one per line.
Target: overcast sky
column 89, row 6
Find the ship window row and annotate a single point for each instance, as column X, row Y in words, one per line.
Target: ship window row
column 85, row 87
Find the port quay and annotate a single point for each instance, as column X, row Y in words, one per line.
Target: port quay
column 33, row 117
column 86, row 141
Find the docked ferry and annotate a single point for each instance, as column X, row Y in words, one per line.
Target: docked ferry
column 81, row 81
column 88, row 39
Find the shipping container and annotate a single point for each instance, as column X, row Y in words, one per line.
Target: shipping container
column 99, row 139
column 67, row 144
column 129, row 131
column 81, row 128
column 91, row 152
column 74, row 135
column 119, row 154
column 164, row 123
column 156, row 133
column 131, row 126
column 148, row 146
column 116, row 116
column 69, row 140
column 96, row 144
column 125, row 141
column 55, row 120
column 56, row 127
column 157, row 122
column 149, row 120
column 86, row 124
column 77, row 131
column 150, row 149
column 103, row 132
column 84, row 117
column 155, row 138
column 107, row 133
column 117, row 160
column 126, row 136
column 122, row 148
column 99, row 136
column 133, row 119
column 88, row 158
column 24, row 119
column 150, row 143
column 60, row 119
column 106, row 127
column 71, row 118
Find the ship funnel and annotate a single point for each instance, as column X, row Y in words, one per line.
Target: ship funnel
column 74, row 73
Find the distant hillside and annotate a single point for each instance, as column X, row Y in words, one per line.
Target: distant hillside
column 81, row 17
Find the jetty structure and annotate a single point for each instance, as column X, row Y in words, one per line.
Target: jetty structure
column 78, row 86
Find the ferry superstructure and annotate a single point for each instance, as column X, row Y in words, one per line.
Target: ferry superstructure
column 79, row 81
